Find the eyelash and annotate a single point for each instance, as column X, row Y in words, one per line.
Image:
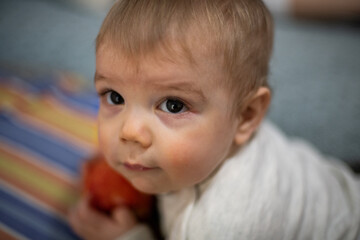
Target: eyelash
column 103, row 93
column 114, row 98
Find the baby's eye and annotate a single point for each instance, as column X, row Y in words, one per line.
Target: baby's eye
column 114, row 98
column 173, row 106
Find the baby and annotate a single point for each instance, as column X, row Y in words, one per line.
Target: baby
column 183, row 94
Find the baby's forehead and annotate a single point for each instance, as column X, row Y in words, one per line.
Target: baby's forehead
column 154, row 68
column 159, row 59
column 191, row 54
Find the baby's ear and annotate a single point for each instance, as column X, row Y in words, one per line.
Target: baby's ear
column 252, row 114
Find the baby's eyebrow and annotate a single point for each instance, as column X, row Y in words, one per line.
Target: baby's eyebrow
column 186, row 87
column 98, row 77
column 180, row 86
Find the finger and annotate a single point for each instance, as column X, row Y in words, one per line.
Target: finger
column 77, row 225
column 88, row 225
column 74, row 216
column 84, row 229
column 124, row 217
column 91, row 216
column 82, row 216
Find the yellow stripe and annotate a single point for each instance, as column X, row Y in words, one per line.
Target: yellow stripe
column 80, row 126
column 35, row 180
column 6, row 98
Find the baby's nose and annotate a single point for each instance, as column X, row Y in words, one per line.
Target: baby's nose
column 136, row 129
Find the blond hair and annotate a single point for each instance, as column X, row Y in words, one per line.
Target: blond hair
column 238, row 33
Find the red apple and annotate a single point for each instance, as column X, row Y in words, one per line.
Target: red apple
column 107, row 189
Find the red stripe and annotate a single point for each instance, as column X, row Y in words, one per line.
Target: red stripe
column 42, row 197
column 30, row 162
column 69, row 187
column 23, row 102
column 6, row 235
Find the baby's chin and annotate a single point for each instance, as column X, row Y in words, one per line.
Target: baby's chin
column 147, row 186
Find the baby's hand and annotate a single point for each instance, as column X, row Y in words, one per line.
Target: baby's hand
column 91, row 224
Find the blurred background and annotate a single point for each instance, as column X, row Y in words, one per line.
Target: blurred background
column 48, row 105
column 315, row 69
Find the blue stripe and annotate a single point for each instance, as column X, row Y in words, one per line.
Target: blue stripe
column 50, row 148
column 84, row 101
column 32, row 86
column 31, row 222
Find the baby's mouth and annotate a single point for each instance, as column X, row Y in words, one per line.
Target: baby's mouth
column 137, row 167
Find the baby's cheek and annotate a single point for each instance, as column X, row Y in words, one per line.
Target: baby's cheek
column 179, row 156
column 185, row 163
column 105, row 141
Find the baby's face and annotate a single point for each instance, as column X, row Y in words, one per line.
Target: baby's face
column 165, row 126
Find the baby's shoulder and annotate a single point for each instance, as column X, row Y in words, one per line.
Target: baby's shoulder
column 281, row 186
column 237, row 204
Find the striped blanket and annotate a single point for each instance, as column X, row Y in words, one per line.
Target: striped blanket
column 47, row 130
